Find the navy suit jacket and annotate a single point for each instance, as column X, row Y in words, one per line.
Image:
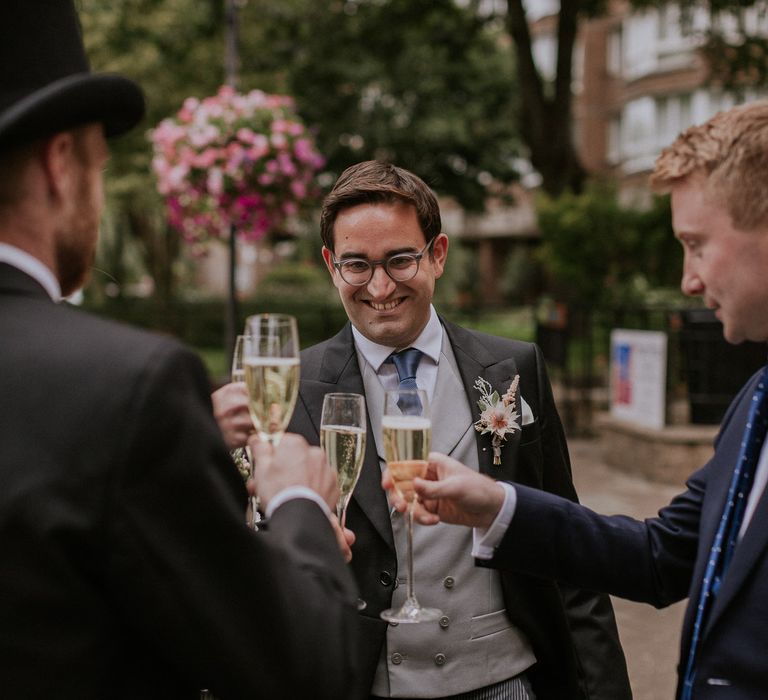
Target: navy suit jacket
column 573, row 632
column 662, row 560
column 126, row 567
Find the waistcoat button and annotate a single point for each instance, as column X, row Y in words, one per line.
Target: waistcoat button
column 444, row 621
column 385, row 578
column 397, row 658
column 439, row 659
column 448, row 581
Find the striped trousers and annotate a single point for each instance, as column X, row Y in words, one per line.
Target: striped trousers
column 516, row 688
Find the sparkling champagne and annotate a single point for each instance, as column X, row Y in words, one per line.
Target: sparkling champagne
column 406, row 446
column 273, row 385
column 238, row 375
column 344, row 447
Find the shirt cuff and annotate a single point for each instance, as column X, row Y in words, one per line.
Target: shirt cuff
column 485, row 541
column 296, row 492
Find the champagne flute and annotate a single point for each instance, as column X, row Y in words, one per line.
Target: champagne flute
column 407, row 433
column 342, row 436
column 271, row 363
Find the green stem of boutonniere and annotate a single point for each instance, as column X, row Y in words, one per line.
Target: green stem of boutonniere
column 496, row 444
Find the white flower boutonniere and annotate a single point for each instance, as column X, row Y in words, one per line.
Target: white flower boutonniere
column 498, row 415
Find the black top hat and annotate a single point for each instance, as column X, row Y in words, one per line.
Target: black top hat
column 45, row 82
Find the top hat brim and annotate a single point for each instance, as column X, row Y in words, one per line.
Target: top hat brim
column 82, row 98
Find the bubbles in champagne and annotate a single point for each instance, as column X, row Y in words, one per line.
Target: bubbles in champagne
column 273, row 385
column 406, row 446
column 344, row 447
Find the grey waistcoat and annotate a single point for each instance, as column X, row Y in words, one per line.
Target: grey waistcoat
column 473, row 644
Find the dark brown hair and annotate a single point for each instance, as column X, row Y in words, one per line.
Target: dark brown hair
column 377, row 182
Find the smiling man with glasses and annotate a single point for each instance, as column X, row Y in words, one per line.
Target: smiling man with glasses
column 501, row 637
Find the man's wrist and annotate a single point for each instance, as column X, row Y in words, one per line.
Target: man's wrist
column 487, row 539
column 292, row 492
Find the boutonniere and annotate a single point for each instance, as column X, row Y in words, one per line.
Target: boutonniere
column 498, row 415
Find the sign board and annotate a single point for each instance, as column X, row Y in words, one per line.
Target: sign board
column 639, row 376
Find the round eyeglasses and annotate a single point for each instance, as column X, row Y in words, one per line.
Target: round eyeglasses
column 400, row 267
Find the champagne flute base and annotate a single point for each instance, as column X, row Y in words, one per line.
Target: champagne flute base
column 411, row 612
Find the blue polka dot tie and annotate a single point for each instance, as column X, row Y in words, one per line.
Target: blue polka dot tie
column 727, row 535
column 406, row 361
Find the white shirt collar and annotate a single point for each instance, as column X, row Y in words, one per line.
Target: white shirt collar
column 31, row 266
column 430, row 342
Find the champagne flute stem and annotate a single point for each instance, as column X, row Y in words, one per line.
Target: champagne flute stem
column 272, row 440
column 254, row 501
column 409, row 589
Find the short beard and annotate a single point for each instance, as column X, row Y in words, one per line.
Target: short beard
column 73, row 266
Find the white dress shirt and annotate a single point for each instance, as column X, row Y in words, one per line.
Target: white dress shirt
column 31, row 266
column 429, row 341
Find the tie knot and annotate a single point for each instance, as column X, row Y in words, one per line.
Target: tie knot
column 406, row 361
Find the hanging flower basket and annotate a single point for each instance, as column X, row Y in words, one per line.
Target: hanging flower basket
column 242, row 162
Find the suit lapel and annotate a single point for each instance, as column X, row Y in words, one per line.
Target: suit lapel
column 474, row 360
column 755, row 539
column 449, row 426
column 340, row 371
column 747, row 554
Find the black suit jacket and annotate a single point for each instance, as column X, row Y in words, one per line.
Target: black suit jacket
column 573, row 632
column 662, row 560
column 126, row 568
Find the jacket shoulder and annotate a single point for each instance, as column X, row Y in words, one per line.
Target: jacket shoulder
column 313, row 356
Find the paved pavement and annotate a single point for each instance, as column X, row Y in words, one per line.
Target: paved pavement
column 650, row 637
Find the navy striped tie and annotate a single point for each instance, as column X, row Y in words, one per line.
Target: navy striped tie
column 725, row 541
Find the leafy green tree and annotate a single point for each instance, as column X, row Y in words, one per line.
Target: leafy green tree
column 428, row 85
column 171, row 48
column 601, row 254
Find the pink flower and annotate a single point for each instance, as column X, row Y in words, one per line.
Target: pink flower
column 242, row 159
column 215, row 181
column 299, row 189
column 278, row 140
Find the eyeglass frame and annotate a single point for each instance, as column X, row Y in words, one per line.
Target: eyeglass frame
column 383, row 262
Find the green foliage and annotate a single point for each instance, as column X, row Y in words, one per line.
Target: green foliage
column 201, row 323
column 172, row 48
column 424, row 84
column 517, row 323
column 427, row 85
column 302, row 277
column 599, row 253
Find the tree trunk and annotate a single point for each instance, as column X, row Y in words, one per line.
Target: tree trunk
column 546, row 119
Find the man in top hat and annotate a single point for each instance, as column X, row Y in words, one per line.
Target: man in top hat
column 710, row 544
column 126, row 566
